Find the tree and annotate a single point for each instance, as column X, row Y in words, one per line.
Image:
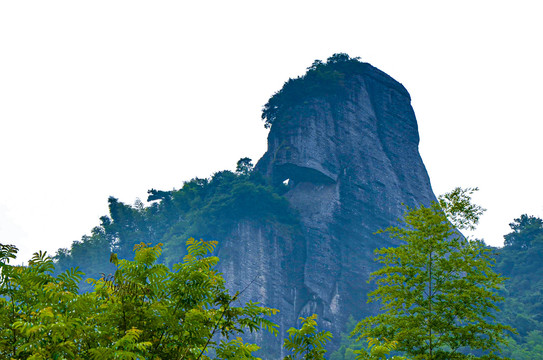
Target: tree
column 378, row 351
column 142, row 311
column 437, row 289
column 526, row 230
column 244, row 166
column 307, row 343
column 40, row 314
column 531, row 349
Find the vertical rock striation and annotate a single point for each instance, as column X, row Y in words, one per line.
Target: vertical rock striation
column 349, row 153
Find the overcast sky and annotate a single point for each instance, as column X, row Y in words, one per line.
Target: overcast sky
column 101, row 98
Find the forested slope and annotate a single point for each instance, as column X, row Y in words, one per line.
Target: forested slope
column 201, row 208
column 521, row 261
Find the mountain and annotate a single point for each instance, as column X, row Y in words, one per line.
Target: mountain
column 298, row 232
column 344, row 137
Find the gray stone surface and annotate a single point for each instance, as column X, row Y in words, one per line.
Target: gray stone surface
column 351, row 164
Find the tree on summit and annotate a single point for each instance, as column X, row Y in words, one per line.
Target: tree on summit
column 324, row 80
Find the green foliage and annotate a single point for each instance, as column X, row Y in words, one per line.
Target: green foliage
column 236, row 349
column 207, row 207
column 38, row 311
column 460, row 210
column 521, row 261
column 522, row 308
column 438, row 290
column 306, row 343
column 244, row 166
column 143, row 311
column 91, row 254
column 530, row 349
column 378, row 350
column 527, row 232
column 322, row 80
column 372, row 349
column 347, row 345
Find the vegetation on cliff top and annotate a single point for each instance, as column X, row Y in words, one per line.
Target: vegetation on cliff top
column 322, row 79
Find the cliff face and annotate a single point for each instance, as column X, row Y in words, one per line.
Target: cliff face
column 350, row 160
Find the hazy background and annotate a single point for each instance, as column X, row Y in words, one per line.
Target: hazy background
column 116, row 97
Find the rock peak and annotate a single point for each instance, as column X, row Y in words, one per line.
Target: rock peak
column 345, row 137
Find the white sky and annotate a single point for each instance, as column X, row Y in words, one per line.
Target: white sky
column 101, row 98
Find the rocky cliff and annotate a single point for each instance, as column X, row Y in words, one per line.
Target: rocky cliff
column 344, row 138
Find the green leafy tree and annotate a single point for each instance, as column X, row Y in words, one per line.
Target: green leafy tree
column 180, row 313
column 307, row 343
column 142, row 311
column 530, row 349
column 437, row 289
column 40, row 315
column 371, row 349
column 244, row 166
column 527, row 230
column 347, row 344
column 534, row 344
column 378, row 350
